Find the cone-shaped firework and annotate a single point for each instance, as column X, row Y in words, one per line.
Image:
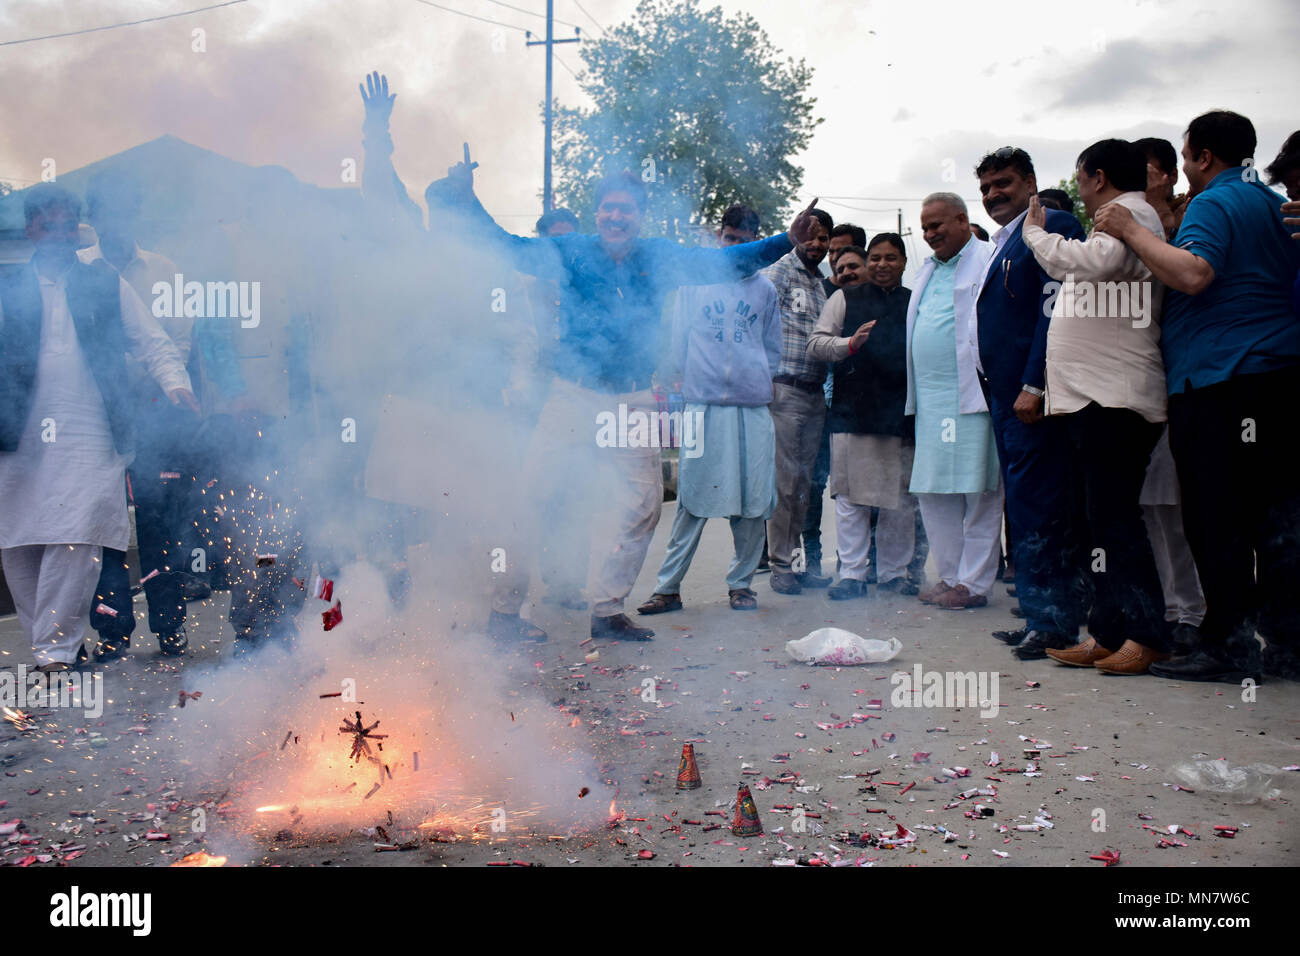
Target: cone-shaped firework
column 746, row 822
column 688, row 775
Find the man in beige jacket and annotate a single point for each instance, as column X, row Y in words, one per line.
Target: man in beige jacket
column 1106, row 378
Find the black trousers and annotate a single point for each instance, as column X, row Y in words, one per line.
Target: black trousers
column 161, row 485
column 1112, row 449
column 1234, row 449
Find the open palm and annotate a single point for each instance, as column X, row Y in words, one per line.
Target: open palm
column 374, row 94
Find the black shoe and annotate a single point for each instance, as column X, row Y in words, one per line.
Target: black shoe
column 1034, row 646
column 512, row 627
column 620, row 628
column 1281, row 661
column 247, row 640
column 1211, row 663
column 846, row 589
column 195, row 589
column 1184, row 639
column 1017, row 613
column 1011, row 590
column 1011, row 637
column 810, row 580
column 175, row 643
column 784, row 582
column 900, row 585
column 111, row 647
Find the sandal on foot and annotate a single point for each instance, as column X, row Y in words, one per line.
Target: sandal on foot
column 743, row 599
column 659, row 603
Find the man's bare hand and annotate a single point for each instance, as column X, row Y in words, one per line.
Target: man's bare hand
column 1028, row 408
column 183, row 396
column 1036, row 215
column 1115, row 220
column 1291, row 212
column 374, row 94
column 461, row 176
column 860, row 337
column 801, row 228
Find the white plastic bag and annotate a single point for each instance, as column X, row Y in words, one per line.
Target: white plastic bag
column 839, row 648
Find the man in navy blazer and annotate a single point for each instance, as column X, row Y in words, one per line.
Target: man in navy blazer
column 1012, row 315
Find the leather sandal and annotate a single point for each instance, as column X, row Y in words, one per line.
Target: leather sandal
column 743, row 599
column 659, row 603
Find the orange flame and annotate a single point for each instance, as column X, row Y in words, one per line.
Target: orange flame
column 201, row 859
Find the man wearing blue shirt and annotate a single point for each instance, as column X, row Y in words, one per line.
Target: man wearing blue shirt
column 1231, row 346
column 613, row 286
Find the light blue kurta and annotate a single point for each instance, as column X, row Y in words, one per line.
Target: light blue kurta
column 955, row 453
column 735, row 476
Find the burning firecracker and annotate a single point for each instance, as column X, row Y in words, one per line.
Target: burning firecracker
column 361, row 735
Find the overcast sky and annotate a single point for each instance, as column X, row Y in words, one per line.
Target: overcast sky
column 907, row 91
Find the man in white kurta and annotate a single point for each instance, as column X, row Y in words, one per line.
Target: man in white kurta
column 61, row 490
column 955, row 475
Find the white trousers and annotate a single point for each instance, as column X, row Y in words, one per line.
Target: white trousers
column 895, row 539
column 623, row 487
column 53, row 586
column 965, row 532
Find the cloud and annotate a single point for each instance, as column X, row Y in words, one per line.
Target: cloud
column 1135, row 70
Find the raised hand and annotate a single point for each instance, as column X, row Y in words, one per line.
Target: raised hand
column 1036, row 215
column 801, row 227
column 374, row 94
column 461, row 175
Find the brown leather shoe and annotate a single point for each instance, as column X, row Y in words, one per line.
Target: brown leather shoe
column 959, row 598
column 1080, row 655
column 1131, row 658
column 930, row 594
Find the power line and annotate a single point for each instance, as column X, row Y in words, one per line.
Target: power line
column 590, row 17
column 893, row 198
column 114, row 26
column 472, row 16
column 531, row 14
column 566, row 66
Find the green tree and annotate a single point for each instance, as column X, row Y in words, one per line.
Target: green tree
column 1071, row 186
column 702, row 108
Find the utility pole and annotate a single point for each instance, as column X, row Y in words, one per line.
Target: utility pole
column 549, row 43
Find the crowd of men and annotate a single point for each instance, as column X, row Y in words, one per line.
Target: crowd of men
column 1116, row 399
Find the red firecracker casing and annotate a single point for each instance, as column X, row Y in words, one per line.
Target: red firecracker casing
column 746, row 822
column 688, row 774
